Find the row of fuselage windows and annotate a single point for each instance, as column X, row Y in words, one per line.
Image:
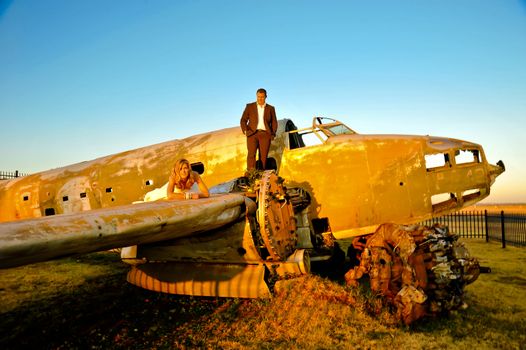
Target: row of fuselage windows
column 198, row 167
column 25, row 198
column 51, row 211
column 442, row 160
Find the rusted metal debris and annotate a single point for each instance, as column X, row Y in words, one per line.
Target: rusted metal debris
column 420, row 270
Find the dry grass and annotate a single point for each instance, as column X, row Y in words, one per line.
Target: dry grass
column 317, row 313
column 310, row 312
column 519, row 208
column 84, row 303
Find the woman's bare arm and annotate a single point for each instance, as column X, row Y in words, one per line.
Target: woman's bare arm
column 170, row 191
column 202, row 188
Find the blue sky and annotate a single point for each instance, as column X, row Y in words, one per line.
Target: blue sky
column 83, row 79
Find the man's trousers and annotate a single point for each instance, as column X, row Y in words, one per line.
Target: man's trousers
column 260, row 140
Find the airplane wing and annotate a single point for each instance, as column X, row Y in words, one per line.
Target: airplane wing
column 34, row 240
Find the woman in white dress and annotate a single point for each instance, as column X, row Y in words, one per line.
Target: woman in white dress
column 184, row 183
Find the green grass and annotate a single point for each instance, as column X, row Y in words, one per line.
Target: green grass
column 86, row 303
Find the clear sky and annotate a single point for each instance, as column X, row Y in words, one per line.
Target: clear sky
column 83, row 79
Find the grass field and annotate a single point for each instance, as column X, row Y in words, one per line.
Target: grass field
column 519, row 208
column 86, row 303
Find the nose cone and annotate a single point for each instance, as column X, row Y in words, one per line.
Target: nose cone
column 496, row 170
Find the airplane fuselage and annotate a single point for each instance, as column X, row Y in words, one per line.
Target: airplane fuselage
column 356, row 182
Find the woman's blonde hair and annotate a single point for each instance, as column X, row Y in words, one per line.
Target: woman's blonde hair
column 175, row 175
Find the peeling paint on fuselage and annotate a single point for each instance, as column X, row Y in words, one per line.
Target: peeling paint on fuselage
column 360, row 181
column 356, row 181
column 122, row 178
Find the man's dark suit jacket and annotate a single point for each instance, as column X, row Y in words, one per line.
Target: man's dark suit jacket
column 249, row 120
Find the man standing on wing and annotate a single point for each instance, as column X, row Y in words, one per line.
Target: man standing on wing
column 259, row 124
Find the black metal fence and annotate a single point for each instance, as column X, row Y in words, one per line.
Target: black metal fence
column 4, row 175
column 507, row 228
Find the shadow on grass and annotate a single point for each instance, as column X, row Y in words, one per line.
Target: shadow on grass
column 519, row 281
column 103, row 312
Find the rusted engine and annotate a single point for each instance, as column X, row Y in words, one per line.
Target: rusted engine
column 421, row 270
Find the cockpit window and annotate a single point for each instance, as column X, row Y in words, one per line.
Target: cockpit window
column 340, row 130
column 464, row 156
column 313, row 138
column 331, row 127
column 321, row 130
column 436, row 161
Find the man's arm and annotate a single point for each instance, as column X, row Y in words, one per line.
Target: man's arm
column 244, row 120
column 274, row 124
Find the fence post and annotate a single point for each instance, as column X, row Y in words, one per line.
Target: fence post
column 502, row 229
column 486, row 223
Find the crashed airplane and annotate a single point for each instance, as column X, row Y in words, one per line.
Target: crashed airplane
column 326, row 183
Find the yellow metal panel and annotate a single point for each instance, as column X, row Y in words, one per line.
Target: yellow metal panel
column 33, row 240
column 230, row 244
column 360, row 181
